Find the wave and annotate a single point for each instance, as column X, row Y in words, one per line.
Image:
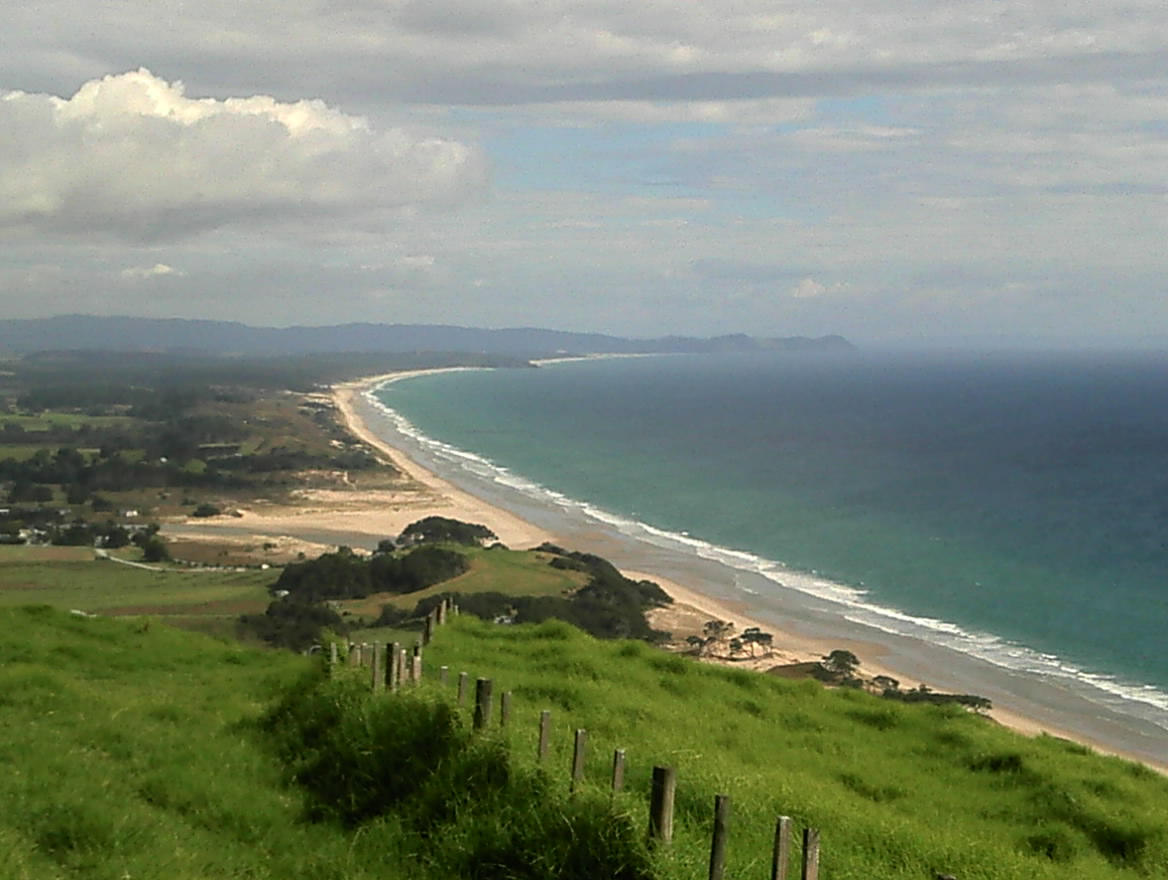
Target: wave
column 853, row 603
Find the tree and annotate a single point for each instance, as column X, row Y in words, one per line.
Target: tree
column 841, row 662
column 716, row 632
column 441, row 528
column 154, row 550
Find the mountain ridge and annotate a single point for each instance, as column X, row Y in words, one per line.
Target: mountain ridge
column 126, row 333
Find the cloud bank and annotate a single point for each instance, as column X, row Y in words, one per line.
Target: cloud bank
column 131, row 156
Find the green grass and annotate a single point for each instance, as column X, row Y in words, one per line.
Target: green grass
column 20, row 451
column 129, row 749
column 898, row 791
column 49, row 420
column 511, row 572
column 72, row 578
column 126, row 754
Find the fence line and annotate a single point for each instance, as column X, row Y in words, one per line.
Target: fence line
column 394, row 665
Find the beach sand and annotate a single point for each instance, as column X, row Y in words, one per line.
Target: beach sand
column 381, row 513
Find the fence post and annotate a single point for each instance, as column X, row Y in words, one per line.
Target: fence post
column 578, row 757
column 354, row 654
column 378, row 676
column 428, row 630
column 392, row 666
column 781, row 855
column 332, row 653
column 462, row 688
column 661, row 804
column 443, row 675
column 545, row 728
column 442, row 606
column 721, row 830
column 618, row 770
column 505, row 708
column 482, row 709
column 366, row 655
column 416, row 667
column 810, row 854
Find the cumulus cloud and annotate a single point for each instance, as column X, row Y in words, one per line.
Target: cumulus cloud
column 132, row 156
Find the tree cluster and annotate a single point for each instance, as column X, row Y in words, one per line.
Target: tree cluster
column 344, row 575
column 293, row 623
column 434, row 529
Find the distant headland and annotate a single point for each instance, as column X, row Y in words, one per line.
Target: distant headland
column 114, row 333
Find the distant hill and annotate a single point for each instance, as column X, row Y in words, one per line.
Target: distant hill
column 89, row 332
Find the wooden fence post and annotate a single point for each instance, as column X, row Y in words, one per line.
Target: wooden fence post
column 366, row 655
column 428, row 630
column 718, row 843
column 354, row 654
column 442, row 606
column 332, row 653
column 462, row 688
column 416, row 667
column 505, row 708
column 482, row 709
column 443, row 675
column 578, row 757
column 618, row 770
column 661, row 804
column 810, row 854
column 378, row 677
column 781, row 855
column 545, row 729
column 395, row 665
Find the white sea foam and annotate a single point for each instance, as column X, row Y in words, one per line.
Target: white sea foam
column 853, row 603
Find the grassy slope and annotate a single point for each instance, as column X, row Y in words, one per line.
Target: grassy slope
column 898, row 791
column 124, row 755
column 510, row 572
column 71, row 577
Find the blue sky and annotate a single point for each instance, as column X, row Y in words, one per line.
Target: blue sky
column 898, row 172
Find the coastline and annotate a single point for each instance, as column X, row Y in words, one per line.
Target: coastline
column 383, row 513
column 792, row 645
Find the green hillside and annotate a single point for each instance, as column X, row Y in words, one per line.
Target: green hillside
column 132, row 750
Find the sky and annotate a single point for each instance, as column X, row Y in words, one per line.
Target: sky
column 896, row 171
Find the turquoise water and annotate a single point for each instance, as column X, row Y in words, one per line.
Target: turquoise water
column 1012, row 508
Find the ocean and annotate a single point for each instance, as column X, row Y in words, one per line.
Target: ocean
column 1000, row 517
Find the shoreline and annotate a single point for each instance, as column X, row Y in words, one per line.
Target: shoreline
column 430, row 494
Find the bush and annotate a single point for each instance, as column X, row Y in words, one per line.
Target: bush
column 359, row 756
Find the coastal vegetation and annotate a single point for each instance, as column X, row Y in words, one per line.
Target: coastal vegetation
column 138, row 750
column 92, row 436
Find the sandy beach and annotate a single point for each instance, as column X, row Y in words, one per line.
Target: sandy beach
column 385, row 512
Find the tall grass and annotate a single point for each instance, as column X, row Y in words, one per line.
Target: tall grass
column 898, row 791
column 130, row 750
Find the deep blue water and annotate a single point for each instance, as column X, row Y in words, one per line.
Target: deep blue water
column 1015, row 507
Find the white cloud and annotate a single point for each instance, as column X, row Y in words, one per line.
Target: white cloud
column 809, row 288
column 138, row 273
column 132, row 156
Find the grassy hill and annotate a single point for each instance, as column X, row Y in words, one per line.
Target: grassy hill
column 134, row 750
